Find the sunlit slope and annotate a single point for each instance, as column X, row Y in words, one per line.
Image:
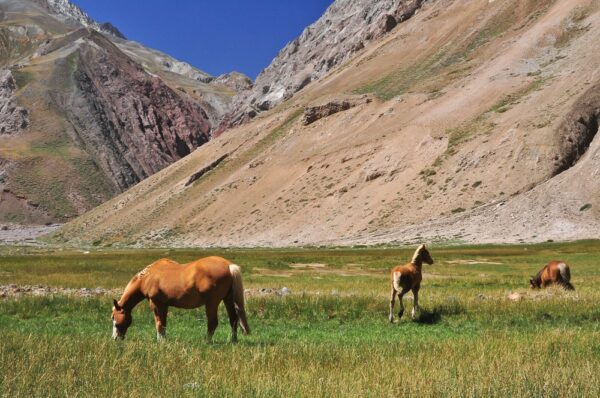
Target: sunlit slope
column 473, row 120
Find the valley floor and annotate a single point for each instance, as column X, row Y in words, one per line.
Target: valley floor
column 320, row 328
column 19, row 234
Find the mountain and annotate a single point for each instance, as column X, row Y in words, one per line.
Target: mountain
column 86, row 114
column 73, row 15
column 343, row 30
column 471, row 121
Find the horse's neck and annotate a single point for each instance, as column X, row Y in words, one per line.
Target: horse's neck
column 132, row 295
column 418, row 263
column 538, row 277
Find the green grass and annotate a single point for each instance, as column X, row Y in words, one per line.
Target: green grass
column 514, row 98
column 53, row 169
column 330, row 337
column 22, row 77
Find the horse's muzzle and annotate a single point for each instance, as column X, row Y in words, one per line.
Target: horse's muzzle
column 116, row 335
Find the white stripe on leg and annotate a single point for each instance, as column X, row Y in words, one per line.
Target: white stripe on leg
column 161, row 334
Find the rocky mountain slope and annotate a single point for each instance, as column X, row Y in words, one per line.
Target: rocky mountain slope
column 86, row 114
column 471, row 121
column 343, row 30
column 73, row 15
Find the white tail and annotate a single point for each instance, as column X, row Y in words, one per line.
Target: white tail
column 396, row 281
column 565, row 274
column 238, row 296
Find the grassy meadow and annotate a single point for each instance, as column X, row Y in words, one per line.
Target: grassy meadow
column 329, row 337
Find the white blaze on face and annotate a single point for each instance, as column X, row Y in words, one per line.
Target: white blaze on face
column 115, row 334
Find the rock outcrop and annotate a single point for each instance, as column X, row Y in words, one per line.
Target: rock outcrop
column 313, row 113
column 13, row 118
column 579, row 129
column 131, row 121
column 236, row 81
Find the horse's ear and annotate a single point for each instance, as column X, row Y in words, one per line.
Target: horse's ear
column 116, row 304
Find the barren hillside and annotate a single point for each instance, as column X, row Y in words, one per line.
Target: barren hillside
column 471, row 121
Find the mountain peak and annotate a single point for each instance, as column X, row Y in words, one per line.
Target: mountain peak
column 69, row 12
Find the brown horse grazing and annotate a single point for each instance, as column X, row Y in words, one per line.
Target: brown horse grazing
column 165, row 283
column 557, row 272
column 408, row 277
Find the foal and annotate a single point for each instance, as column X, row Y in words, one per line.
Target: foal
column 557, row 272
column 408, row 277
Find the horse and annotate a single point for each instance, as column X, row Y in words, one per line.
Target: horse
column 557, row 272
column 408, row 277
column 207, row 281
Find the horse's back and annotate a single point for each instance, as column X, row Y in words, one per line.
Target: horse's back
column 405, row 275
column 210, row 277
column 213, row 267
column 557, row 270
column 188, row 285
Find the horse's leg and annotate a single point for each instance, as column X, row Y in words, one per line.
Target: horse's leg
column 415, row 291
column 392, row 302
column 160, row 319
column 233, row 316
column 212, row 316
column 400, row 298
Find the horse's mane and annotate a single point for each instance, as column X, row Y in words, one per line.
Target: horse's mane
column 417, row 253
column 143, row 272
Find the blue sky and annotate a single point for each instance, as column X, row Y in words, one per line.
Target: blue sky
column 216, row 36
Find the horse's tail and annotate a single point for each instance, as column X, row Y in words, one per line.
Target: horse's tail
column 238, row 296
column 565, row 274
column 396, row 281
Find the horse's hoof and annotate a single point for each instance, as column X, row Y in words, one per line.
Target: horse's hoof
column 391, row 318
column 400, row 314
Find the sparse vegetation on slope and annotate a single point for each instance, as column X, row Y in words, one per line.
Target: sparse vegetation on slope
column 456, row 57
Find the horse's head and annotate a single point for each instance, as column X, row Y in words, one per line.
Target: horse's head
column 423, row 254
column 121, row 320
column 535, row 284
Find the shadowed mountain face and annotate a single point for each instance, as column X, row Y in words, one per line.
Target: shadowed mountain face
column 86, row 114
column 472, row 120
column 130, row 121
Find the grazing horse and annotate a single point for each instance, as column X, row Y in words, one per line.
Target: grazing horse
column 165, row 283
column 554, row 272
column 408, row 277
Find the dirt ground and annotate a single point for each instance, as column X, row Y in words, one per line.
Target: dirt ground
column 16, row 233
